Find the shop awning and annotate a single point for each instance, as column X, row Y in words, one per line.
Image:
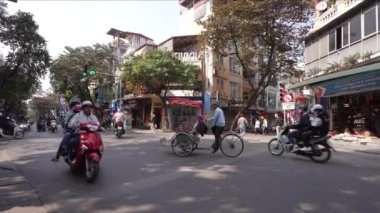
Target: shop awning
column 185, row 102
column 337, row 75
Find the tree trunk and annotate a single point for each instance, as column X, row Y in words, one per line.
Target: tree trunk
column 251, row 99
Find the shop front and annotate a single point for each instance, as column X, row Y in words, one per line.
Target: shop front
column 142, row 108
column 352, row 99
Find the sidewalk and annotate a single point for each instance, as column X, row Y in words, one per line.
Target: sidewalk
column 17, row 195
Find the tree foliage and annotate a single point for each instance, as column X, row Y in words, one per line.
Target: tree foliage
column 158, row 71
column 27, row 60
column 265, row 37
column 66, row 70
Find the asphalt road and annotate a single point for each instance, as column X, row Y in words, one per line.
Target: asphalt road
column 140, row 175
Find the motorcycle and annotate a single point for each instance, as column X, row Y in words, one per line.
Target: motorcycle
column 25, row 126
column 320, row 151
column 53, row 126
column 88, row 152
column 41, row 126
column 12, row 129
column 118, row 129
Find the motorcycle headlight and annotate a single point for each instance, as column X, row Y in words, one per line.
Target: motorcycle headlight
column 23, row 126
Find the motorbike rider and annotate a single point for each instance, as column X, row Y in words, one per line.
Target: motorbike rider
column 303, row 132
column 118, row 117
column 75, row 108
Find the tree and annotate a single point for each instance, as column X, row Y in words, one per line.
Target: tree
column 66, row 70
column 264, row 37
column 157, row 72
column 27, row 59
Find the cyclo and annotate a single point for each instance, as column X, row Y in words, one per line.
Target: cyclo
column 185, row 141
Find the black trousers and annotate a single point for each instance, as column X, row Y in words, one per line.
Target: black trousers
column 217, row 131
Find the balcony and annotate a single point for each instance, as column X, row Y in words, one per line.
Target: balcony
column 338, row 9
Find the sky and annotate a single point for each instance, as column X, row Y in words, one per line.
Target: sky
column 83, row 22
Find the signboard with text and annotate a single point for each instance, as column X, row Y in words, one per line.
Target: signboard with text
column 288, row 105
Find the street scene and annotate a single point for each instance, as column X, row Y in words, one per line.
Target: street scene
column 190, row 106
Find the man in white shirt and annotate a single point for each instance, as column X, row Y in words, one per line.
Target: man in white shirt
column 242, row 123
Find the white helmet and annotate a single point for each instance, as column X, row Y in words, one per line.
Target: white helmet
column 87, row 103
column 316, row 107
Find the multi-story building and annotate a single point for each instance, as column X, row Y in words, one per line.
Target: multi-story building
column 342, row 61
column 224, row 79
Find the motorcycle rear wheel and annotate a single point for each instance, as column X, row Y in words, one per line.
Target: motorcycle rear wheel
column 325, row 153
column 275, row 147
column 91, row 170
column 19, row 134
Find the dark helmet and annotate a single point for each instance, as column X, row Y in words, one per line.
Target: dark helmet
column 74, row 101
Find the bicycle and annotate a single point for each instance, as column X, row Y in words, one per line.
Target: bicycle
column 184, row 143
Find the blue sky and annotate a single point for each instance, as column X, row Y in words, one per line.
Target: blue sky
column 80, row 23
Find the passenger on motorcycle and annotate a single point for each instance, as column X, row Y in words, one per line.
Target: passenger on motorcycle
column 118, row 117
column 75, row 108
column 312, row 123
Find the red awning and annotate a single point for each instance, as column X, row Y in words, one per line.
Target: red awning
column 185, row 102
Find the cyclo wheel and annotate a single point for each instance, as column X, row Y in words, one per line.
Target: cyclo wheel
column 182, row 144
column 231, row 145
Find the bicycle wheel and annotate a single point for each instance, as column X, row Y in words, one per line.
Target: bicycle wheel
column 232, row 145
column 182, row 144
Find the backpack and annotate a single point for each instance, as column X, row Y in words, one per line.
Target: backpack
column 201, row 128
column 324, row 128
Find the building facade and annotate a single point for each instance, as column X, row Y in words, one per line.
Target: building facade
column 342, row 61
column 224, row 79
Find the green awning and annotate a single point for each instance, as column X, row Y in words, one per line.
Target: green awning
column 328, row 77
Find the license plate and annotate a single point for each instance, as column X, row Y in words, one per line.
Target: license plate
column 119, row 127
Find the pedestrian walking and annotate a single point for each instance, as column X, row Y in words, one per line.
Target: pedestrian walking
column 279, row 122
column 257, row 125
column 264, row 125
column 242, row 123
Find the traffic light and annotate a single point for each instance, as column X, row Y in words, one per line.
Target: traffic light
column 282, row 91
column 92, row 72
column 84, row 72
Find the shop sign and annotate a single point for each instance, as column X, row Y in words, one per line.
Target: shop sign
column 222, row 102
column 188, row 56
column 236, row 103
column 351, row 83
column 132, row 103
column 288, row 105
column 207, row 102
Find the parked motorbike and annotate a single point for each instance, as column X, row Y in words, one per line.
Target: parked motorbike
column 53, row 126
column 320, row 151
column 12, row 129
column 87, row 154
column 118, row 129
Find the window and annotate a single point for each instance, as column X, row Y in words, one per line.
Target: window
column 339, row 38
column 345, row 34
column 234, row 66
column 235, row 91
column 332, row 41
column 355, row 29
column 219, row 84
column 370, row 22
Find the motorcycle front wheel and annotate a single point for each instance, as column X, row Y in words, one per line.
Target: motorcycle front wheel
column 275, row 147
column 19, row 134
column 321, row 153
column 92, row 170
